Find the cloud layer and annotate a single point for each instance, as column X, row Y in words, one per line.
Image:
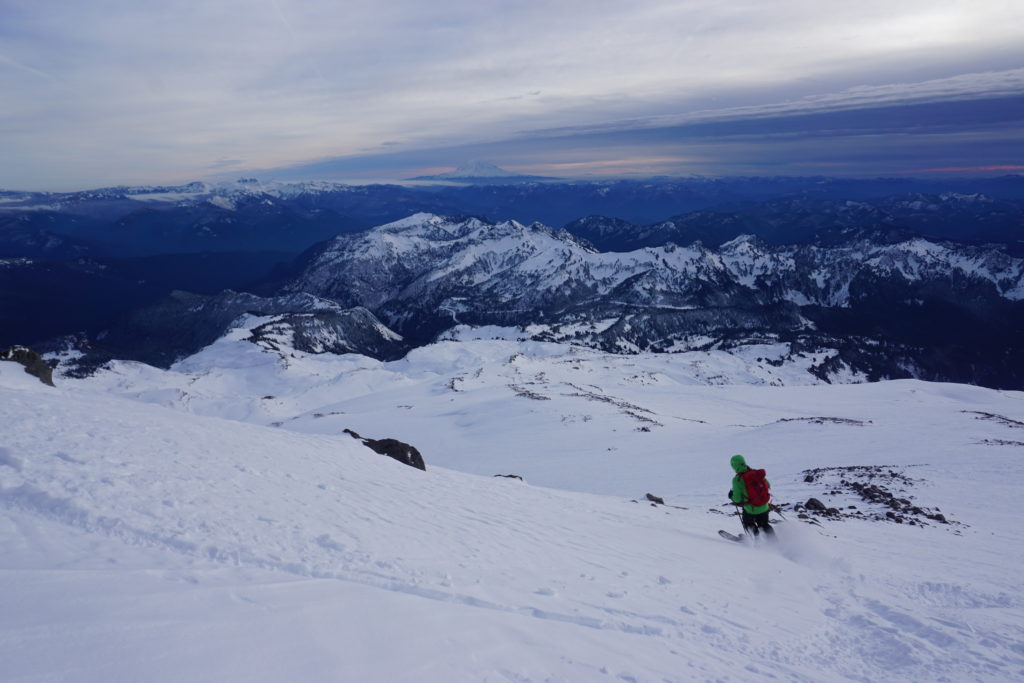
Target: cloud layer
column 114, row 91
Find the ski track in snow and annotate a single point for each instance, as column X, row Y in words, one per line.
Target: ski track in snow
column 152, row 532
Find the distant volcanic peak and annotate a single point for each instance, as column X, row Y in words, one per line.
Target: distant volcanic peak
column 481, row 170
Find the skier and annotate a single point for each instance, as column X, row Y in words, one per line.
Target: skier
column 750, row 491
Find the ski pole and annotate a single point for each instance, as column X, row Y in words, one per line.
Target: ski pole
column 739, row 513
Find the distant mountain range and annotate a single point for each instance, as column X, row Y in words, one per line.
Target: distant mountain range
column 922, row 284
column 798, row 220
column 250, row 215
column 874, row 308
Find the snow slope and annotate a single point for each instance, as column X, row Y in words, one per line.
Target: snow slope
column 174, row 533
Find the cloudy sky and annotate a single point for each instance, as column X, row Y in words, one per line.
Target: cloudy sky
column 100, row 92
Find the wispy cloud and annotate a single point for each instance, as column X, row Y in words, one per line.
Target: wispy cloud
column 874, row 140
column 223, row 164
column 128, row 90
column 11, row 63
column 973, row 86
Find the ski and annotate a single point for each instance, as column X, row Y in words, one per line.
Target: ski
column 731, row 537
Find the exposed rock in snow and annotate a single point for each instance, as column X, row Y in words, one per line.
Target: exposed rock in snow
column 33, row 362
column 393, row 448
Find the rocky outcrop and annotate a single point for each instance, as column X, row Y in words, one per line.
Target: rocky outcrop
column 33, row 362
column 883, row 493
column 393, row 448
column 353, row 330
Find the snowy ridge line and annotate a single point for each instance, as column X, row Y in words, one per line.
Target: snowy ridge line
column 1000, row 442
column 1000, row 419
column 453, row 253
column 425, row 274
column 638, row 413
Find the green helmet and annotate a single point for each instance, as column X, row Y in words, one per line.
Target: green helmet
column 738, row 464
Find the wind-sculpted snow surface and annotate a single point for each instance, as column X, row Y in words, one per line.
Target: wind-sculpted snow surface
column 180, row 545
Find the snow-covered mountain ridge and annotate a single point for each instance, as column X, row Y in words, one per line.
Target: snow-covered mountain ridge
column 255, row 215
column 848, row 273
column 441, row 261
column 186, row 193
column 182, row 323
column 864, row 308
column 893, row 307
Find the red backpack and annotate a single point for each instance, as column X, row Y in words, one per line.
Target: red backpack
column 757, row 487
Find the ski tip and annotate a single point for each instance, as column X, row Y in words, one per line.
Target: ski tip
column 730, row 537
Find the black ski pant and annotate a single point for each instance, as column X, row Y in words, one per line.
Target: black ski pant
column 755, row 524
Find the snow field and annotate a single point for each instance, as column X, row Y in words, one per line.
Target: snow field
column 165, row 542
column 253, row 499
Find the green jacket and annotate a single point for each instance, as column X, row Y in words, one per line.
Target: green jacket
column 739, row 488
